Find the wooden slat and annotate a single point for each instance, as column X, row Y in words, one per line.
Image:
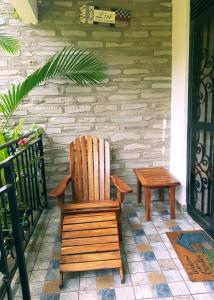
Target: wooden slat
column 90, row 248
column 96, row 171
column 85, row 226
column 90, row 241
column 89, row 257
column 88, row 219
column 101, row 158
column 72, row 168
column 92, row 210
column 84, row 169
column 107, row 171
column 90, row 169
column 89, row 233
column 79, row 170
column 96, row 265
column 91, row 204
column 88, row 215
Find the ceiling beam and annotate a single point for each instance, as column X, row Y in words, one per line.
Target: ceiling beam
column 27, row 10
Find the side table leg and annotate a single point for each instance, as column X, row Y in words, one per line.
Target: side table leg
column 139, row 190
column 161, row 195
column 172, row 202
column 147, row 192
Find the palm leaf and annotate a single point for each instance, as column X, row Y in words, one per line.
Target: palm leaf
column 9, row 44
column 78, row 65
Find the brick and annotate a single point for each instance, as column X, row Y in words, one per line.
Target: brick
column 126, row 119
column 135, row 71
column 91, row 119
column 104, row 108
column 105, row 34
column 125, row 136
column 136, row 34
column 63, row 3
column 106, row 88
column 89, row 44
column 76, row 33
column 78, row 89
column 77, row 109
column 123, row 97
column 118, row 45
column 133, row 106
column 86, row 99
column 125, row 156
column 61, row 120
column 114, row 72
column 160, row 33
column 136, row 146
column 161, row 85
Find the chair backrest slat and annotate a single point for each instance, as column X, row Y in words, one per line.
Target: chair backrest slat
column 96, row 170
column 72, row 168
column 84, row 169
column 107, row 171
column 90, row 169
column 79, row 176
column 101, row 158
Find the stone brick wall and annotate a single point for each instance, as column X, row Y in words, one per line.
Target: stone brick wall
column 132, row 108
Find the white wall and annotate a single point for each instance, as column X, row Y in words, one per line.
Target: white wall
column 179, row 94
column 27, row 10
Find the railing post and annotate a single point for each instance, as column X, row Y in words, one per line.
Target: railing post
column 41, row 150
column 6, row 274
column 17, row 234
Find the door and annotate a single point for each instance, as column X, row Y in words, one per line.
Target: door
column 201, row 115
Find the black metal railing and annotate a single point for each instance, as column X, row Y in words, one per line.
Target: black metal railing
column 22, row 198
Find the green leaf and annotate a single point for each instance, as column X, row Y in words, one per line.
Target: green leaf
column 78, row 65
column 3, row 152
column 8, row 44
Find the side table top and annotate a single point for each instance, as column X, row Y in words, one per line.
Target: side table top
column 155, row 177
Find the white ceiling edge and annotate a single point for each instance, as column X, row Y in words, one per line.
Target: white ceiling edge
column 27, row 10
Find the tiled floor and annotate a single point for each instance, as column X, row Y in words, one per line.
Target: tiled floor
column 152, row 269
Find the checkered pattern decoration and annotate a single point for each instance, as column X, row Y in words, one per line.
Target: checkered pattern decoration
column 122, row 14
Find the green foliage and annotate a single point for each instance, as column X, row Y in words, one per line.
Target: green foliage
column 78, row 65
column 8, row 44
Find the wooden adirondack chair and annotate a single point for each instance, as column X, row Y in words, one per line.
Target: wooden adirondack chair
column 90, row 223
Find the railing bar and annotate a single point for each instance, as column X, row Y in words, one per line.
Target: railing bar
column 24, row 176
column 35, row 166
column 17, row 236
column 28, row 178
column 31, row 175
column 20, row 179
column 41, row 150
column 6, row 277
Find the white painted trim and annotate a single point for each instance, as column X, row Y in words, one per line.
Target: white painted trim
column 179, row 93
column 27, row 10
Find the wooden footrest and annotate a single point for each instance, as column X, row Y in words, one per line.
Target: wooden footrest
column 90, row 242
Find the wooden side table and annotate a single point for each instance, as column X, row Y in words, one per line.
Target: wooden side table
column 159, row 178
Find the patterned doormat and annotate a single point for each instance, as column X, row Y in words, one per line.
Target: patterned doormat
column 195, row 249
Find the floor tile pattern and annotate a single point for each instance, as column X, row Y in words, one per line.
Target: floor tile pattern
column 151, row 267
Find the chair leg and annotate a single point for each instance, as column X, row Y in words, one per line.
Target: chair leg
column 121, row 274
column 119, row 227
column 61, row 280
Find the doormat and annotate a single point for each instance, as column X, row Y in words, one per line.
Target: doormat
column 195, row 249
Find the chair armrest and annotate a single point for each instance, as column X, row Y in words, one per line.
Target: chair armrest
column 59, row 190
column 121, row 186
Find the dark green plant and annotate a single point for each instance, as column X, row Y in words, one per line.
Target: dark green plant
column 9, row 44
column 78, row 65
